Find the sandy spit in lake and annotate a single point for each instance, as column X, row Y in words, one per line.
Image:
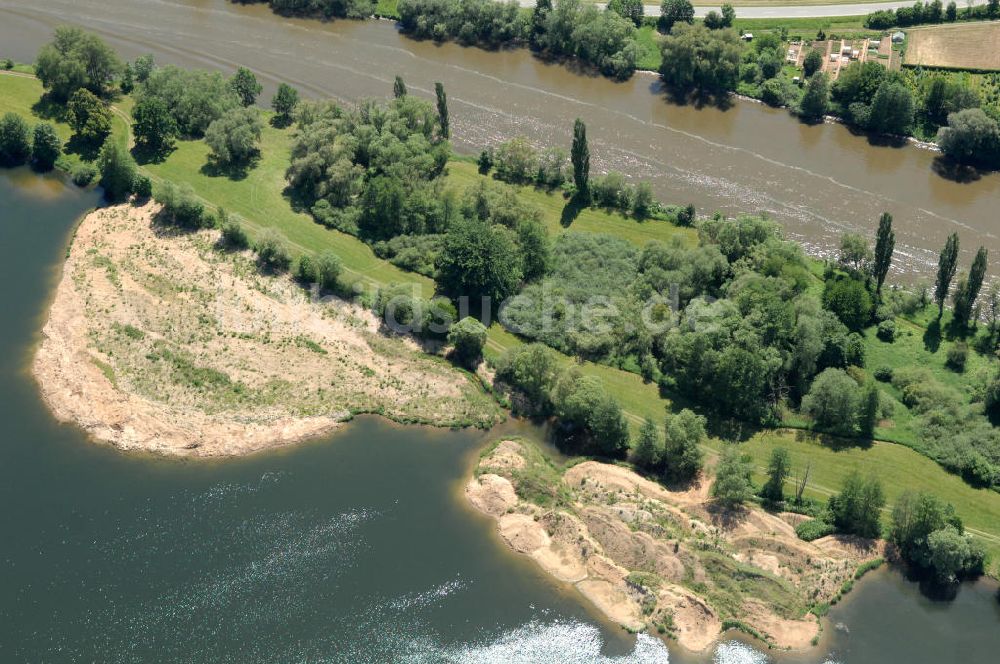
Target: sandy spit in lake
column 664, row 561
column 157, row 340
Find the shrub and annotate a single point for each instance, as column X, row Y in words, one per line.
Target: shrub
column 814, row 529
column 233, row 234
column 468, row 336
column 83, row 174
column 887, row 331
column 181, row 206
column 305, row 270
column 958, row 354
column 883, row 374
column 328, row 269
column 143, row 187
column 272, row 251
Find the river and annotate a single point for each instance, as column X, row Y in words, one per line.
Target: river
column 354, row 548
column 819, row 181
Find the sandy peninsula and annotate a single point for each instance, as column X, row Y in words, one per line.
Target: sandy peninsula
column 158, row 340
column 660, row 560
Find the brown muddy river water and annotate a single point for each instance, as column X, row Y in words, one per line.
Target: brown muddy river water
column 817, row 180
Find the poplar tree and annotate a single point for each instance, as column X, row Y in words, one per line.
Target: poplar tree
column 966, row 295
column 885, row 243
column 947, row 264
column 580, row 155
column 399, row 87
column 442, row 105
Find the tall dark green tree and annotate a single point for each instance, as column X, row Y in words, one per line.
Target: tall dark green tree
column 968, row 290
column 245, row 85
column 580, row 156
column 153, row 124
column 45, row 146
column 947, row 264
column 885, row 244
column 442, row 108
column 398, row 87
column 778, row 469
column 118, row 171
column 15, row 142
column 539, row 18
column 284, row 101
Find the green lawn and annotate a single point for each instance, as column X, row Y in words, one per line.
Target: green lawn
column 649, row 48
column 259, row 198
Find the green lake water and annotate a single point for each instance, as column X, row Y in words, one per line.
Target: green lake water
column 354, row 548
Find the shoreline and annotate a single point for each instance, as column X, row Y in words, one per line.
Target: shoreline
column 154, row 341
column 599, row 538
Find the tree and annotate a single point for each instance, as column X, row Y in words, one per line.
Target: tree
column 713, row 20
column 539, row 19
column 118, row 171
column 531, row 369
column 951, row 12
column 89, row 117
column 630, row 9
column 849, row 299
column 143, row 67
column 479, row 260
column 127, row 82
column 813, row 62
column 696, row 59
column 965, row 296
column 45, row 146
column 15, row 146
column 885, row 244
column 398, row 87
column 857, row 508
column 153, row 125
column 947, row 264
column 732, row 484
column 914, row 517
column 533, row 241
column 728, row 15
column 778, row 470
column 833, row 402
column 869, row 410
column 234, row 137
column 854, row 251
column 673, row 12
column 892, row 109
column 284, row 101
column 580, row 156
column 245, row 85
column 442, row 109
column 971, row 137
column 682, row 455
column 949, row 553
column 195, row 97
column 468, row 336
column 584, row 407
column 647, row 453
column 816, row 98
column 76, row 59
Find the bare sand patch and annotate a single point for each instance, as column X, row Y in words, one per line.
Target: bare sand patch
column 666, row 561
column 158, row 341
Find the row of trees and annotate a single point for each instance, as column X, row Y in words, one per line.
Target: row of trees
column 931, row 12
column 604, row 39
column 20, row 144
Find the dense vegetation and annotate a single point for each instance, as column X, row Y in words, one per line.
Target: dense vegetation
column 931, row 12
column 740, row 326
column 605, row 39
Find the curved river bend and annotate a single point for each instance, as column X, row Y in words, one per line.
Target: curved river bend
column 355, row 548
column 817, row 180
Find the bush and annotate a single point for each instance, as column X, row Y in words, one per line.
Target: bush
column 813, row 529
column 143, row 187
column 958, row 354
column 887, row 331
column 305, row 270
column 468, row 336
column 834, row 402
column 83, row 174
column 181, row 206
column 883, row 374
column 850, row 300
column 233, row 234
column 328, row 269
column 272, row 251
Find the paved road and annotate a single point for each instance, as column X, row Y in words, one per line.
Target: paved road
column 793, row 11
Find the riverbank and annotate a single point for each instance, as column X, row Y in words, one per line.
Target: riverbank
column 667, row 561
column 156, row 340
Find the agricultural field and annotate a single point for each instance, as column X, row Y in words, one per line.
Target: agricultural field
column 973, row 46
